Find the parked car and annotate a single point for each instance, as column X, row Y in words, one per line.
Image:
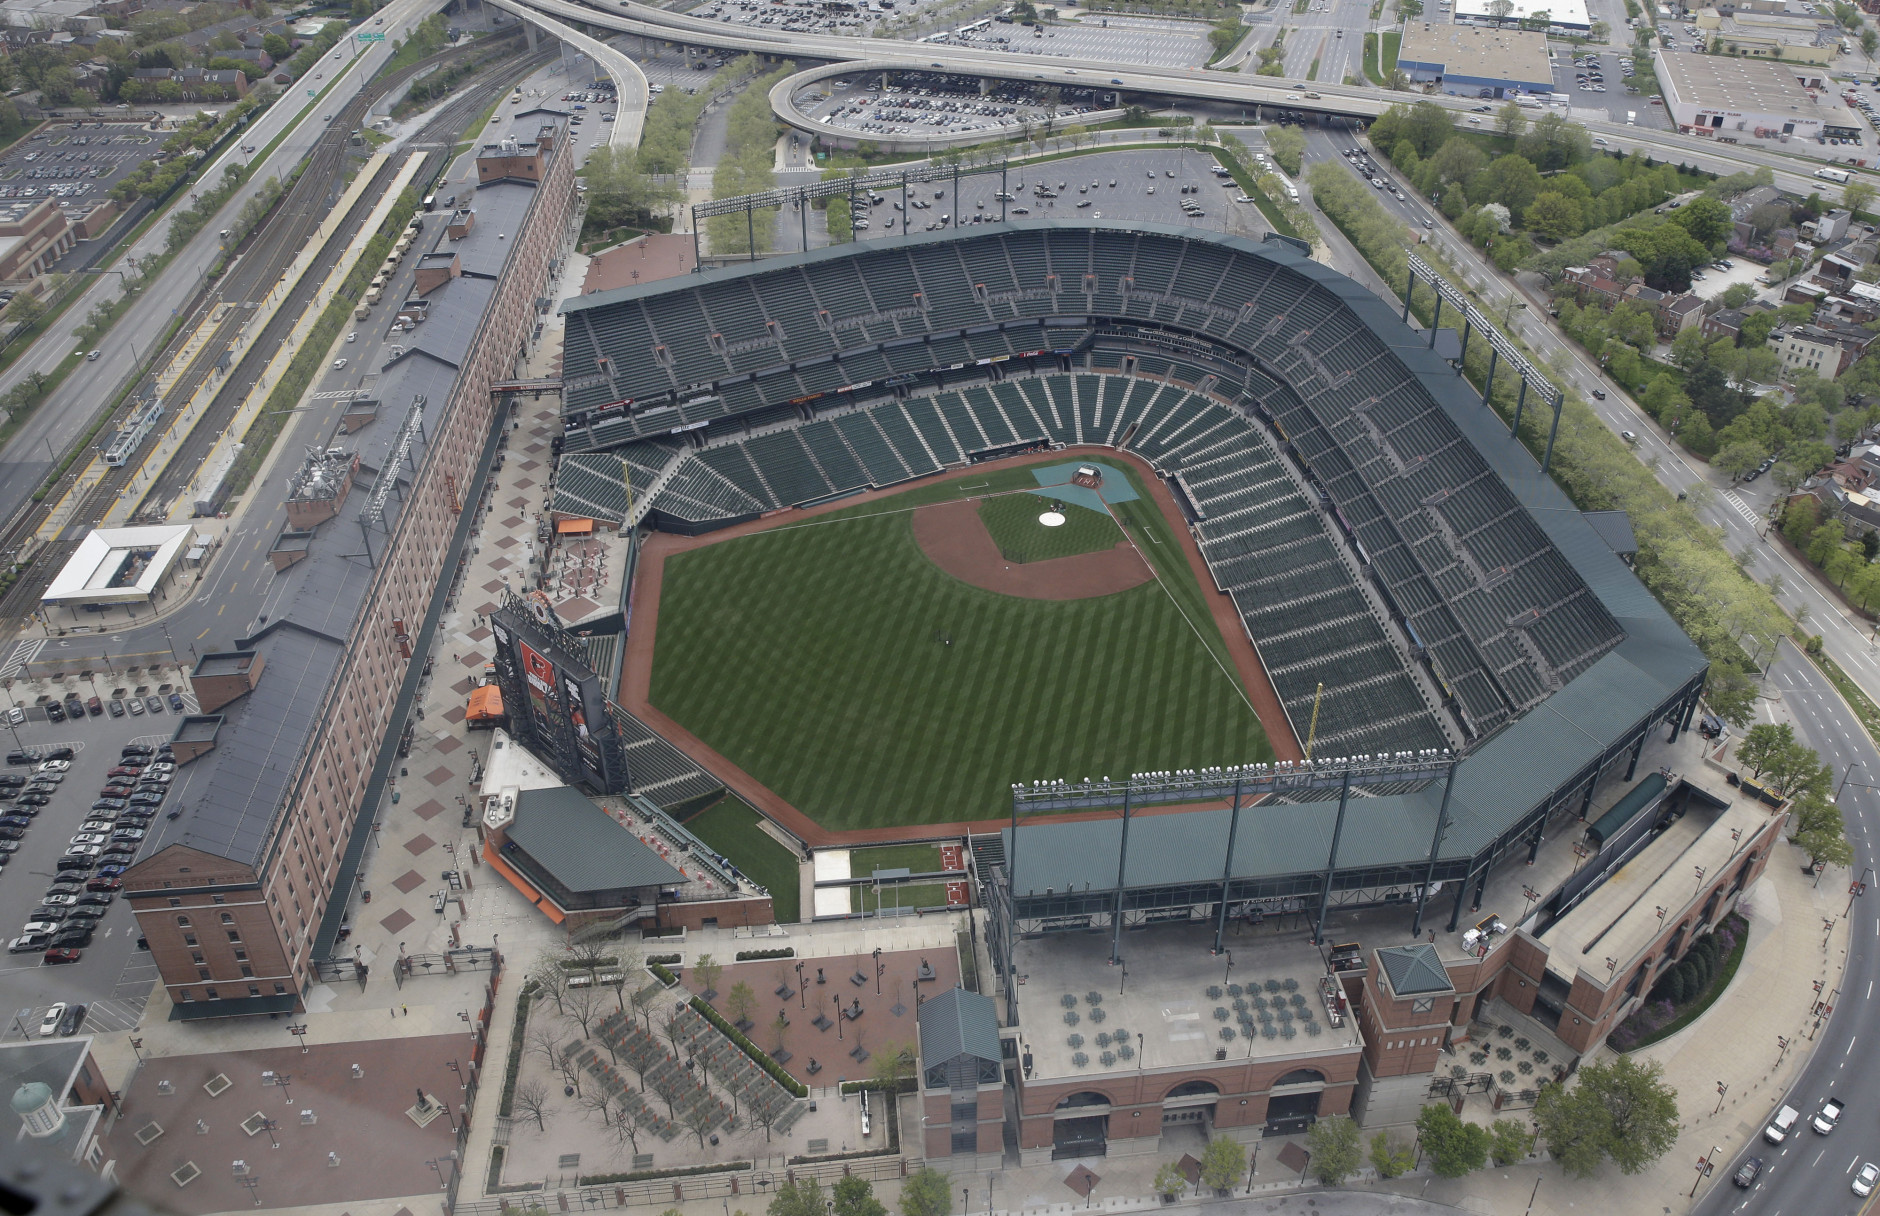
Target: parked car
column 55, row 766
column 134, row 749
column 60, row 955
column 49, row 1025
column 126, row 770
column 30, row 943
column 154, row 703
column 176, row 702
column 73, row 1019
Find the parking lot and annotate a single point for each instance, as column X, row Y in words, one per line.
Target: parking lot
column 1123, row 40
column 111, row 975
column 931, row 103
column 76, row 163
column 1140, row 185
column 1597, row 87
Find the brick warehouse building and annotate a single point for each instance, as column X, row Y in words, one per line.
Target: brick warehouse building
column 243, row 892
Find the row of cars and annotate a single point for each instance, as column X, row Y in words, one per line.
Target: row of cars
column 88, row 876
column 1865, row 1179
column 77, row 708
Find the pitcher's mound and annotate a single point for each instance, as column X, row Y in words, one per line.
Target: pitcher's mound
column 955, row 539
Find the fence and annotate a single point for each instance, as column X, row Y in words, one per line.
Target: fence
column 673, row 1190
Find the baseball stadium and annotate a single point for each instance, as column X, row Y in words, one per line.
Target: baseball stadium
column 1174, row 572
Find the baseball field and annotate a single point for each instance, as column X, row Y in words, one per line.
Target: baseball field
column 835, row 662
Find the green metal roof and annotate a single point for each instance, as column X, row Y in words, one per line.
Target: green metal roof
column 1636, row 799
column 958, row 1023
column 1414, row 970
column 581, row 846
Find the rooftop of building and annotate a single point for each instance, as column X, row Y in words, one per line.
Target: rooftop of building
column 1477, row 52
column 644, row 259
column 232, row 801
column 1732, row 83
column 1626, row 913
column 581, row 846
column 1171, row 999
column 224, row 663
column 119, row 564
column 1569, row 13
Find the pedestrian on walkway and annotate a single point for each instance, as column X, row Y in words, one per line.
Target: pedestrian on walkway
column 407, row 1010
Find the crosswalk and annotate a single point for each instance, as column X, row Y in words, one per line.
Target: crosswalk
column 24, row 652
column 1742, row 508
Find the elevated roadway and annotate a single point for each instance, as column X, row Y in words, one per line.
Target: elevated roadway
column 1185, row 84
column 629, row 81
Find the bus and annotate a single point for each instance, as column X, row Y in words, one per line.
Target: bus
column 430, row 202
column 1833, row 175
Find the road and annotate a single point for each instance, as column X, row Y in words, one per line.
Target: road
column 1809, row 1174
column 69, row 412
column 1846, row 639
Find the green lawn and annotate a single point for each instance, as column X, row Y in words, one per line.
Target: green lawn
column 1012, row 521
column 917, row 858
column 731, row 828
column 809, row 655
column 899, row 895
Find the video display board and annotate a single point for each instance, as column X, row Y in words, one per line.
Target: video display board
column 559, row 708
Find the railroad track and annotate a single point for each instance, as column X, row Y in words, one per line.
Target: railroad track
column 253, row 271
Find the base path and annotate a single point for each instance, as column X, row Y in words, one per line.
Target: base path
column 636, row 676
column 954, row 538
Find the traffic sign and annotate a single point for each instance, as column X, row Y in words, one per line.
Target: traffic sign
column 372, row 35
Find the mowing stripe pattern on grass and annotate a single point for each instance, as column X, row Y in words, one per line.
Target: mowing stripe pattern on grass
column 815, row 659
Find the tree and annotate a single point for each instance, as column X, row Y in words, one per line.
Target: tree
column 1455, row 1147
column 1730, row 693
column 1736, row 295
column 531, row 1099
column 1288, row 146
column 1170, row 1182
column 1622, row 1110
column 802, row 1197
column 1221, row 1163
column 1390, row 1160
column 1511, row 120
column 708, row 972
column 1858, row 196
column 276, row 47
column 1764, row 744
column 1705, row 219
column 1508, row 1141
column 926, row 1193
column 700, row 1118
column 741, row 1003
column 1738, row 458
column 1336, row 1150
column 551, row 981
column 856, row 1197
column 1555, row 216
column 586, row 1005
column 893, row 1064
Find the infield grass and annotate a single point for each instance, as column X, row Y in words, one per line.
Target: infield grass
column 812, row 656
column 1012, row 522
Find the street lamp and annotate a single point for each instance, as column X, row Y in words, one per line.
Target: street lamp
column 1722, row 1089
column 1845, row 774
column 437, row 1167
column 1785, row 1050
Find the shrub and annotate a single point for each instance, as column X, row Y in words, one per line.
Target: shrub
column 662, row 975
column 745, row 956
column 757, row 1054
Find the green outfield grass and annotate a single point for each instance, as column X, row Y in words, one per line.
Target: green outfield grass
column 731, row 828
column 811, row 656
column 1012, row 522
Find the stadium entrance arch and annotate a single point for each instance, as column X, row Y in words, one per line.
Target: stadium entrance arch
column 1191, row 1102
column 1293, row 1105
column 1082, row 1127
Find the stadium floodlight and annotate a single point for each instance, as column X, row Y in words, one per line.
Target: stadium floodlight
column 1164, row 787
column 1501, row 348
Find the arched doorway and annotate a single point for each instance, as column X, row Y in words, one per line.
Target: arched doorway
column 1188, row 1117
column 1081, row 1126
column 1293, row 1104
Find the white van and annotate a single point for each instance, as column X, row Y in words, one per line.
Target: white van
column 1780, row 1127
